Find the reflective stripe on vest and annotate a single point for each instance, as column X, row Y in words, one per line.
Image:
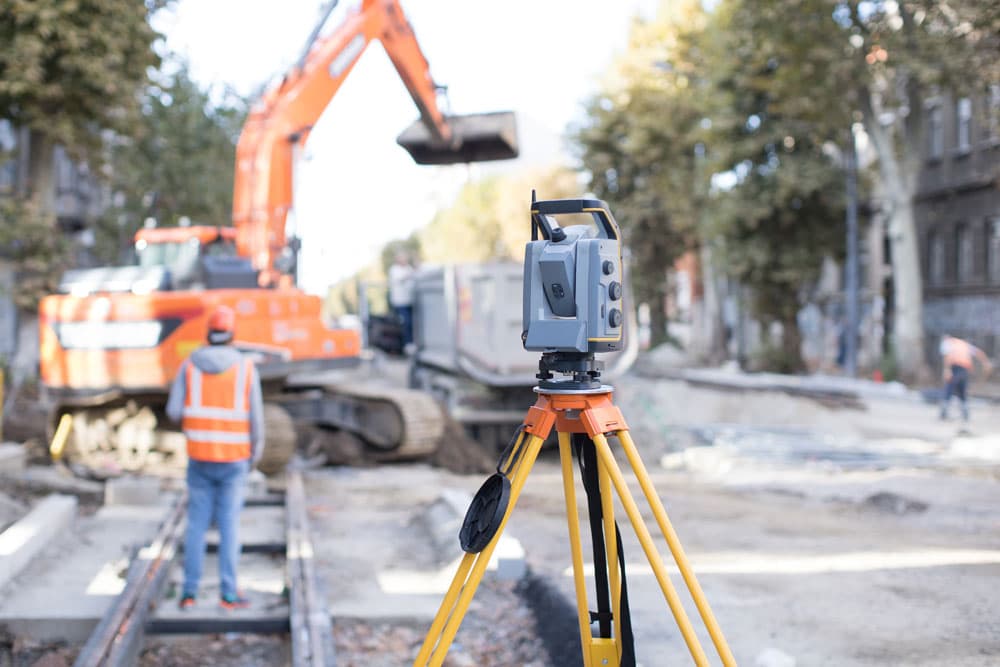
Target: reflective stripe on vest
column 216, row 418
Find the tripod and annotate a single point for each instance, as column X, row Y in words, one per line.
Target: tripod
column 583, row 414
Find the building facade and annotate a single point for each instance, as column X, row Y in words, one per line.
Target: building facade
column 958, row 218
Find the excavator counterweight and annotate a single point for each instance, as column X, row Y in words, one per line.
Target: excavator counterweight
column 476, row 137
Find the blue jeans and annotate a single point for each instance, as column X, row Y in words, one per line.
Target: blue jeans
column 956, row 387
column 215, row 490
column 405, row 315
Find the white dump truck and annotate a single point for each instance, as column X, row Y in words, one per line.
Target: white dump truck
column 467, row 332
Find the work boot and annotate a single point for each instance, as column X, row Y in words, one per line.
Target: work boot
column 236, row 601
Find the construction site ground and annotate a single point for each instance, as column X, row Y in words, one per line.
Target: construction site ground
column 823, row 533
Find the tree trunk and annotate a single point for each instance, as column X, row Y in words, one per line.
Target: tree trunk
column 41, row 173
column 908, row 318
column 657, row 316
column 898, row 172
column 791, row 344
column 708, row 344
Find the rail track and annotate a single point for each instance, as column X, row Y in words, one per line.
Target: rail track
column 118, row 638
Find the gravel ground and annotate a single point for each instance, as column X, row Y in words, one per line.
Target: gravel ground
column 499, row 629
column 217, row 651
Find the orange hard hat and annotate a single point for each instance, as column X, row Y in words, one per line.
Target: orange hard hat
column 222, row 319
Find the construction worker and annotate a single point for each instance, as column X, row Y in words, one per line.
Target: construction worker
column 401, row 275
column 216, row 397
column 958, row 361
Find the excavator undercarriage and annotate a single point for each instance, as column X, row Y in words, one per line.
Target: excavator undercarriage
column 376, row 423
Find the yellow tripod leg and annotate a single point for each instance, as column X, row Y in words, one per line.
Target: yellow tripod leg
column 448, row 603
column 676, row 549
column 454, row 616
column 444, row 611
column 652, row 555
column 576, row 550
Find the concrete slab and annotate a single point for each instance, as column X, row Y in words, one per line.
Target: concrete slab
column 13, row 458
column 67, row 587
column 132, row 490
column 443, row 518
column 22, row 541
column 386, row 539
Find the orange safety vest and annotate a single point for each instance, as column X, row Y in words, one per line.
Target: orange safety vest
column 216, row 417
column 958, row 353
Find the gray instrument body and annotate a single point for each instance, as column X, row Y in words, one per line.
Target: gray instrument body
column 573, row 287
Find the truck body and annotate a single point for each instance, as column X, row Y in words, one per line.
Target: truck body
column 467, row 333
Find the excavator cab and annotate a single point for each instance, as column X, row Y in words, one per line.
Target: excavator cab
column 199, row 257
column 169, row 259
column 475, row 138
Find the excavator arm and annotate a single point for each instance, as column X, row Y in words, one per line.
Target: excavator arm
column 281, row 120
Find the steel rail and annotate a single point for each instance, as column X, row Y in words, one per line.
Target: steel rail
column 118, row 637
column 115, row 639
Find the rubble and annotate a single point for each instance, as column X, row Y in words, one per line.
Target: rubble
column 499, row 629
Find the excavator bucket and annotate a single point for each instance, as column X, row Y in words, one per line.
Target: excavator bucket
column 480, row 137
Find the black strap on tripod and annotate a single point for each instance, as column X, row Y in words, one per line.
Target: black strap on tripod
column 586, row 454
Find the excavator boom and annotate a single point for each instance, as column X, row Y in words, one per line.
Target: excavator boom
column 283, row 117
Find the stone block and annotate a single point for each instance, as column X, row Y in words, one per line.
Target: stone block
column 13, row 458
column 24, row 539
column 132, row 491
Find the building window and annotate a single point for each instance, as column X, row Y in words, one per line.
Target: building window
column 935, row 255
column 963, row 114
column 993, row 249
column 963, row 254
column 935, row 133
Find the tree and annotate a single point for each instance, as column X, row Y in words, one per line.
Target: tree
column 69, row 70
column 780, row 210
column 835, row 62
column 39, row 256
column 638, row 146
column 489, row 219
column 179, row 161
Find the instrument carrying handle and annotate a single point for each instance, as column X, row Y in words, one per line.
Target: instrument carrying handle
column 542, row 219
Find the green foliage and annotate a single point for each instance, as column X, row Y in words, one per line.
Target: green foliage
column 815, row 67
column 38, row 255
column 784, row 210
column 72, row 68
column 641, row 146
column 889, row 365
column 71, row 72
column 765, row 91
column 489, row 219
column 179, row 162
column 410, row 246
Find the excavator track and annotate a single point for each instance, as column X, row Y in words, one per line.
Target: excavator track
column 396, row 424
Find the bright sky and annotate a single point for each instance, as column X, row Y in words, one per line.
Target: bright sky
column 356, row 189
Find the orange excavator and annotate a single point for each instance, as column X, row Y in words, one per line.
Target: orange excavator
column 113, row 338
